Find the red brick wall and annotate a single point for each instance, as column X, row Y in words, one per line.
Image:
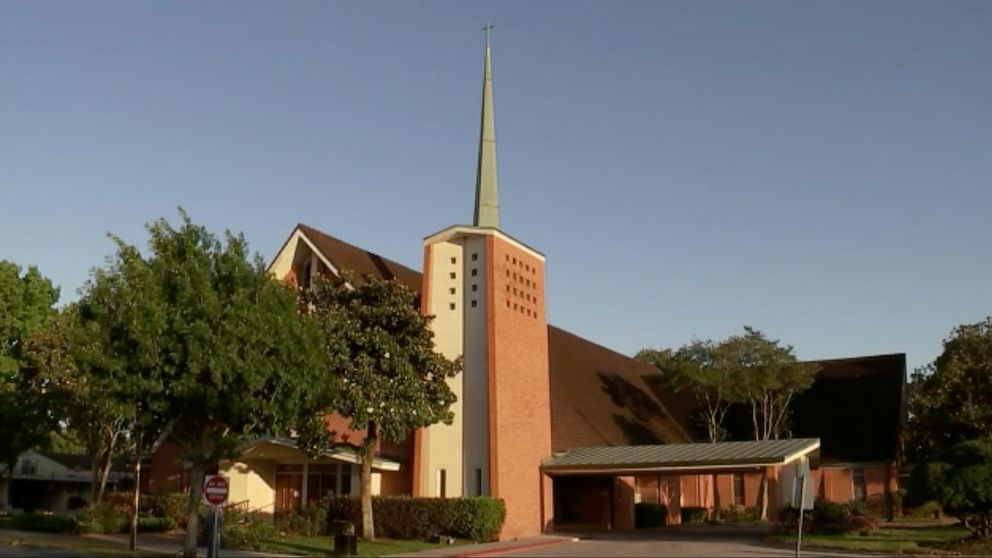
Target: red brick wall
column 519, row 398
column 623, row 503
column 166, row 469
column 837, row 484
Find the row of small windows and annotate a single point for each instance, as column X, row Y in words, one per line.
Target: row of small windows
column 527, row 267
column 527, row 296
column 522, row 309
column 453, row 290
column 451, row 306
column 475, row 257
column 525, row 281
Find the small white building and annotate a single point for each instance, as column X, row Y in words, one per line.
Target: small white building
column 55, row 482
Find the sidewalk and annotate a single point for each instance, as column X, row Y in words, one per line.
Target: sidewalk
column 494, row 548
column 50, row 544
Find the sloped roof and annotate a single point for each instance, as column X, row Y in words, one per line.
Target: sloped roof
column 77, row 462
column 682, row 456
column 598, row 396
column 361, row 262
column 601, row 397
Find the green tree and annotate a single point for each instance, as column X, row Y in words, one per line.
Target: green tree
column 961, row 482
column 27, row 305
column 768, row 376
column 62, row 357
column 950, row 400
column 381, row 350
column 211, row 350
column 701, row 371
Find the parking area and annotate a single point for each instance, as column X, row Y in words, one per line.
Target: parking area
column 703, row 540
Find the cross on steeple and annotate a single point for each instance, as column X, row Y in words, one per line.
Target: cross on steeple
column 487, row 29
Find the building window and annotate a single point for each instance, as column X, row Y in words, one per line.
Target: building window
column 454, row 260
column 478, row 482
column 451, row 290
column 452, row 275
column 514, row 305
column 473, row 304
column 514, row 261
column 475, row 257
column 507, row 303
column 860, row 486
column 738, row 489
column 451, row 306
column 442, row 483
column 475, row 272
column 475, row 288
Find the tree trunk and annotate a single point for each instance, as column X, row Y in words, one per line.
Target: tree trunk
column 716, row 498
column 196, row 475
column 95, row 479
column 133, row 539
column 108, row 458
column 763, row 496
column 368, row 523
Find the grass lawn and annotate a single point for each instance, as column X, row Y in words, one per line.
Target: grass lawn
column 322, row 546
column 887, row 540
column 80, row 545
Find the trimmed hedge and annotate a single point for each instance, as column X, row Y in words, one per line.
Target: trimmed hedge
column 101, row 518
column 171, row 505
column 694, row 514
column 155, row 524
column 650, row 514
column 479, row 518
column 42, row 523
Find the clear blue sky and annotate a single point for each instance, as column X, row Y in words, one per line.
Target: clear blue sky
column 819, row 170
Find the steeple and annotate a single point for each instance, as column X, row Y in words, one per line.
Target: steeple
column 486, row 184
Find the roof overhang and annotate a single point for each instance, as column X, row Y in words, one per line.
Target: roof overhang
column 339, row 453
column 458, row 231
column 682, row 459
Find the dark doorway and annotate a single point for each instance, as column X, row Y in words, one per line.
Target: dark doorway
column 583, row 502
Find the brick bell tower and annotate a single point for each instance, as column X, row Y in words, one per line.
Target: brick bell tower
column 486, row 291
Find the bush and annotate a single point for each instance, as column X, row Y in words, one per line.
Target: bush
column 829, row 518
column 248, row 534
column 155, row 524
column 42, row 523
column 649, row 514
column 738, row 514
column 479, row 519
column 103, row 517
column 171, row 505
column 694, row 515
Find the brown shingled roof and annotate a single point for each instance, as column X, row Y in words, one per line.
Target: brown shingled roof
column 598, row 396
column 601, row 397
column 361, row 262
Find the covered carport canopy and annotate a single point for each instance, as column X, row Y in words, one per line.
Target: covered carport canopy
column 682, row 459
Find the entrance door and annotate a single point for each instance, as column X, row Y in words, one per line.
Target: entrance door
column 289, row 490
column 583, row 502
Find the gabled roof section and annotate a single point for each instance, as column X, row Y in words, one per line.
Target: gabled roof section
column 601, row 397
column 676, row 457
column 362, row 263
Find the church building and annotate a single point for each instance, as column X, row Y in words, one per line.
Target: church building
column 567, row 432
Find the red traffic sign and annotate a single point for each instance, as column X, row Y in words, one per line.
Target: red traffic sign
column 215, row 489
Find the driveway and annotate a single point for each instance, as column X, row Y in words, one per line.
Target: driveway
column 703, row 540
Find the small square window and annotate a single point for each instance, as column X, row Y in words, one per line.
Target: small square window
column 514, row 276
column 452, row 275
column 475, row 272
column 507, row 272
column 475, row 257
column 527, row 296
column 507, row 257
column 507, row 303
column 451, row 306
column 507, row 288
column 514, row 305
column 454, row 260
column 473, row 304
column 514, row 261
column 475, row 288
column 451, row 290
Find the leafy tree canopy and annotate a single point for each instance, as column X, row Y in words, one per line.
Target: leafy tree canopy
column 209, row 347
column 381, row 350
column 961, row 481
column 27, row 305
column 950, row 400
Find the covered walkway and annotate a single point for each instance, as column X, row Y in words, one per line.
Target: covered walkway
column 595, row 488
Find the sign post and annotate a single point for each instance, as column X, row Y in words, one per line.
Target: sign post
column 215, row 491
column 802, row 514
